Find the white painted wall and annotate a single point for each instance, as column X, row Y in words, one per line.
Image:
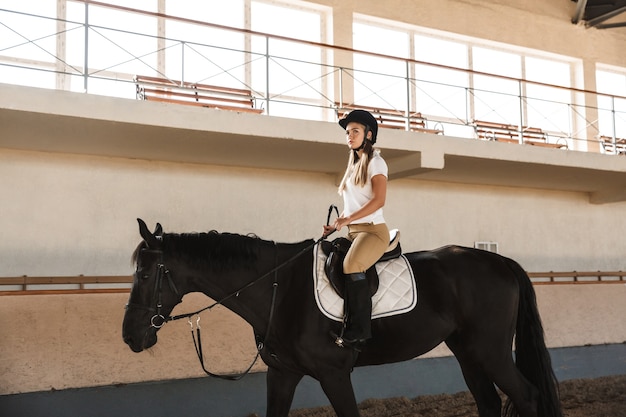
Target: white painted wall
column 543, row 230
column 72, row 215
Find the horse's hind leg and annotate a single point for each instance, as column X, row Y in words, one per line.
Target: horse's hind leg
column 484, row 392
column 520, row 391
column 482, row 370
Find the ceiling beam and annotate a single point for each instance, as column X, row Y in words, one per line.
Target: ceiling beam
column 595, row 22
column 580, row 11
column 611, row 25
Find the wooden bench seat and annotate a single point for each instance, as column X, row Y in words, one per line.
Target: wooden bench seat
column 502, row 132
column 390, row 118
column 618, row 147
column 194, row 94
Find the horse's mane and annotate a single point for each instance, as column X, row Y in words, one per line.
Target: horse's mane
column 140, row 246
column 213, row 250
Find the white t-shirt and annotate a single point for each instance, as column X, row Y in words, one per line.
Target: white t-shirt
column 355, row 196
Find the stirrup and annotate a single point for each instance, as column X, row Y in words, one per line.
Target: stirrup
column 356, row 344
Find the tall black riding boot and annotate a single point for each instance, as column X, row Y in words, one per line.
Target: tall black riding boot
column 358, row 307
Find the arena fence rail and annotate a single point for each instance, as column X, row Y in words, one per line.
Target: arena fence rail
column 81, row 284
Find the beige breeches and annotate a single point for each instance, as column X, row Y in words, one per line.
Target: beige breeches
column 369, row 242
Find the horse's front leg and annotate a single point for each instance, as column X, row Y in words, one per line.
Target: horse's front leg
column 338, row 388
column 281, row 386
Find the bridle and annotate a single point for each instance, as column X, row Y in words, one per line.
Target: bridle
column 156, row 304
column 158, row 320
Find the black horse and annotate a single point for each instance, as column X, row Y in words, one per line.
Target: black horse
column 474, row 301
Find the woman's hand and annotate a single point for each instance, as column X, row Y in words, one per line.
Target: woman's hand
column 341, row 222
column 336, row 226
column 328, row 230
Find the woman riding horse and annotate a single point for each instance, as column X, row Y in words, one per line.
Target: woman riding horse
column 364, row 190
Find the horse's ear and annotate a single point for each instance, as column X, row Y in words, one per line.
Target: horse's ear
column 158, row 230
column 148, row 237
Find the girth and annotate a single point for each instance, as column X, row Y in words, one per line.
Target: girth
column 336, row 252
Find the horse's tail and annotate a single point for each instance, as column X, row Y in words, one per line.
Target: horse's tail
column 531, row 354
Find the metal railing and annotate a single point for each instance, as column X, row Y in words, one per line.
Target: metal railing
column 291, row 77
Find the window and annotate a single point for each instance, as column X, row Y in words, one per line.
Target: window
column 226, row 13
column 297, row 83
column 496, row 99
column 487, row 245
column 26, row 39
column 206, row 55
column 378, row 81
column 611, row 110
column 441, row 92
column 454, row 97
column 548, row 107
column 130, row 45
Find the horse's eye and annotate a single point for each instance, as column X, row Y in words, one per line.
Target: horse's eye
column 144, row 275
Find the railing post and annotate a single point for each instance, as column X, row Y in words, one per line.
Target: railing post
column 613, row 125
column 407, row 112
column 61, row 78
column 86, row 61
column 570, row 121
column 182, row 64
column 267, row 75
column 520, row 128
column 340, row 88
column 469, row 107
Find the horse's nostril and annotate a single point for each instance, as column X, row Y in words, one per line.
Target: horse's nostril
column 129, row 341
column 135, row 347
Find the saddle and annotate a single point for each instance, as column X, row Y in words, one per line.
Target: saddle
column 336, row 252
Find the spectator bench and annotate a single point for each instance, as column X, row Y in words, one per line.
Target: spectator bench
column 194, row 94
column 502, row 132
column 618, row 147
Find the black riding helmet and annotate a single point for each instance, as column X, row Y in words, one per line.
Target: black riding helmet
column 365, row 118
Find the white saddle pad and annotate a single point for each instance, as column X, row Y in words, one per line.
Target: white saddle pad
column 397, row 291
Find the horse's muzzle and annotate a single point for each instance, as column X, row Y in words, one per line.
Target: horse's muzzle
column 140, row 341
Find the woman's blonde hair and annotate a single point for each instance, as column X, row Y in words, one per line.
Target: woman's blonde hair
column 357, row 167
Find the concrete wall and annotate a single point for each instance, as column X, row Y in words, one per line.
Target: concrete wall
column 71, row 215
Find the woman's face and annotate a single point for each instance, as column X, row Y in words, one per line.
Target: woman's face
column 355, row 135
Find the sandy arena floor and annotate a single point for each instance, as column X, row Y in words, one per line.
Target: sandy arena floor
column 601, row 397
